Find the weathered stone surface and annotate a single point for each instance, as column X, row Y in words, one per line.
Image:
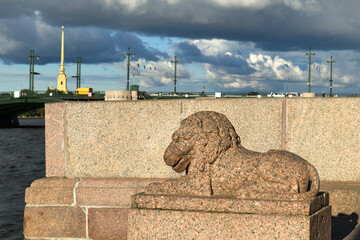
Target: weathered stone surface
column 326, row 133
column 207, row 146
column 109, row 191
column 320, row 224
column 55, row 139
column 167, row 224
column 51, row 191
column 55, row 222
column 147, row 125
column 110, row 127
column 105, row 192
column 308, row 127
column 233, row 205
column 258, row 121
column 344, row 196
column 108, row 223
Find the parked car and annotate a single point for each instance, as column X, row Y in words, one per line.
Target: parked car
column 292, row 94
column 253, row 94
column 276, row 94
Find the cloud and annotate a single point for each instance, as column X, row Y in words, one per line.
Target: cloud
column 275, row 68
column 303, row 5
column 272, row 25
column 277, row 25
column 150, row 74
column 95, row 45
column 212, row 52
column 231, row 44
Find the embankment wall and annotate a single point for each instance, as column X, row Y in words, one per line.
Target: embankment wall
column 128, row 139
column 98, row 154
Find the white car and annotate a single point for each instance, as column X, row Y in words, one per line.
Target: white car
column 292, row 94
column 274, row 94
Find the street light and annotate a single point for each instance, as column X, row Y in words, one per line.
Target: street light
column 310, row 54
column 78, row 72
column 128, row 54
column 331, row 81
column 32, row 72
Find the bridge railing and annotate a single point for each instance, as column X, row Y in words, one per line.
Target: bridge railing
column 41, row 93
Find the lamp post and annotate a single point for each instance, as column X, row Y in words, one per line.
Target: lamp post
column 78, row 72
column 175, row 62
column 310, row 54
column 128, row 69
column 331, row 63
column 32, row 72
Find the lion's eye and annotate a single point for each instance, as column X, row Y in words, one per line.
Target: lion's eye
column 187, row 137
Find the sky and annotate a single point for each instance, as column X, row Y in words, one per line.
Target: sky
column 220, row 45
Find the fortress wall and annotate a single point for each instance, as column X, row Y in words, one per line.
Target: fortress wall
column 128, row 139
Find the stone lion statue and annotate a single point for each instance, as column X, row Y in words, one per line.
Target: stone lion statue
column 208, row 148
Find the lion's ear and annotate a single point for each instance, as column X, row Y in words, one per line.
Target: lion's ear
column 211, row 151
column 193, row 120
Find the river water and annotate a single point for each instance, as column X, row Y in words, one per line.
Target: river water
column 22, row 160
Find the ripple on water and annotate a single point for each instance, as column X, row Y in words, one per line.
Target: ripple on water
column 22, row 160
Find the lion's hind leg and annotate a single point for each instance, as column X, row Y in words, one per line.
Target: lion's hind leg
column 270, row 190
column 285, row 168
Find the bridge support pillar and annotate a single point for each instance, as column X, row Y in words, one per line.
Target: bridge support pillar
column 9, row 121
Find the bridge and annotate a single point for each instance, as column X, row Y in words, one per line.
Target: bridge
column 11, row 107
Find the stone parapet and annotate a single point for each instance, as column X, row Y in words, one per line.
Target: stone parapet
column 177, row 217
column 344, row 197
column 325, row 132
column 98, row 154
column 230, row 204
column 128, row 138
column 65, row 208
column 99, row 207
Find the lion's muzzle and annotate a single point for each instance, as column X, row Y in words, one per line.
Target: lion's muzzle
column 176, row 157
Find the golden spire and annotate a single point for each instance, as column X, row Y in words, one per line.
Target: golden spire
column 62, row 46
column 62, row 77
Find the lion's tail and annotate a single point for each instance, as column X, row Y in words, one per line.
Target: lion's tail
column 315, row 180
column 314, row 185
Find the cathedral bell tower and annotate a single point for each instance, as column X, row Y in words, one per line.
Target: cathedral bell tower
column 61, row 86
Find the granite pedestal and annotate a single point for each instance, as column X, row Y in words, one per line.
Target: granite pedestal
column 184, row 217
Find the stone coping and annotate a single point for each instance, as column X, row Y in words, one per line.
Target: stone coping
column 230, row 205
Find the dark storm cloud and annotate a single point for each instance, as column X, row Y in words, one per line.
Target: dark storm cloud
column 97, row 29
column 123, row 40
column 274, row 25
column 93, row 44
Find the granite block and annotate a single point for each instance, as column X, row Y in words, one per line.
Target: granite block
column 104, row 196
column 119, row 139
column 344, row 196
column 230, row 204
column 51, row 191
column 109, row 191
column 128, row 139
column 257, row 121
column 142, row 183
column 326, row 133
column 55, row 139
column 168, row 224
column 320, row 224
column 108, row 223
column 55, row 222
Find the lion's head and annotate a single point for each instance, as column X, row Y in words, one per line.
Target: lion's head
column 201, row 138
